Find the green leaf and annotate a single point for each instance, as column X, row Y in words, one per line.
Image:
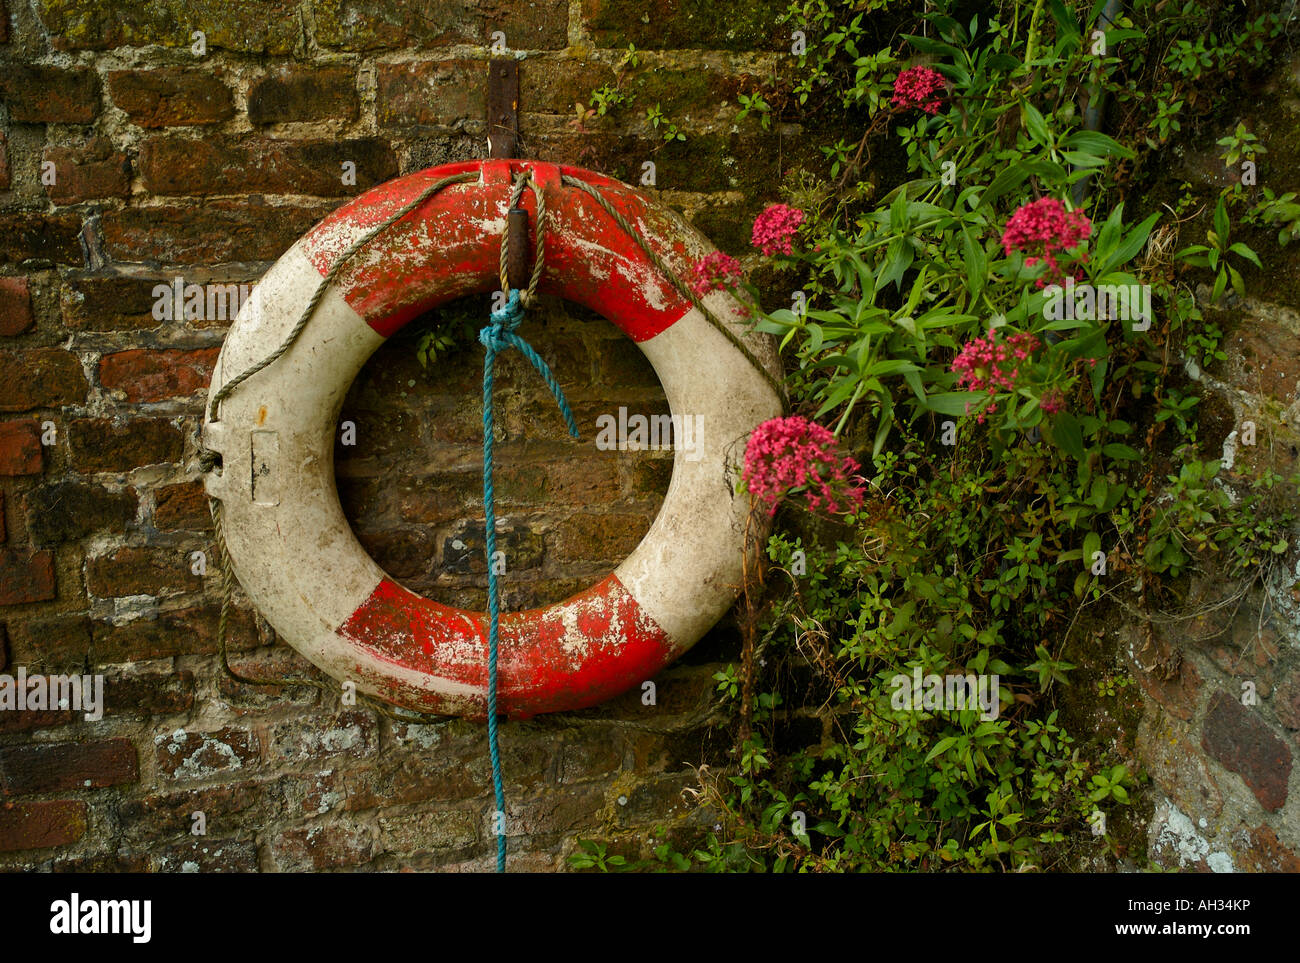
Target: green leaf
column 1131, row 244
column 1012, row 176
column 1221, row 222
column 1067, row 435
column 1241, row 249
column 1096, row 143
column 1034, row 122
column 951, row 402
column 940, row 747
column 976, row 264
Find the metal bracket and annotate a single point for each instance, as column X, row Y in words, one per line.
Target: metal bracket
column 518, row 262
column 503, row 107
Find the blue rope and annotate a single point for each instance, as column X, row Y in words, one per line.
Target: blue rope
column 496, row 337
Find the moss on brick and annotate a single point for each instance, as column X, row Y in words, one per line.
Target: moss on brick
column 685, row 24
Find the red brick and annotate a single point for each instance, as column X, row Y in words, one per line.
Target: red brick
column 25, row 576
column 3, row 536
column 182, row 508
column 171, row 165
column 149, row 694
column 60, row 766
column 50, row 95
column 143, row 375
column 592, row 538
column 109, row 302
column 40, row 825
column 29, row 719
column 102, row 444
column 40, row 378
column 65, row 511
column 93, row 170
column 190, row 631
column 20, row 448
column 141, row 571
column 281, row 662
column 1236, row 737
column 30, row 235
column 171, row 96
column 1265, row 853
column 58, row 644
column 431, row 93
column 203, row 755
column 290, row 94
column 160, row 815
column 15, row 306
column 1286, row 700
column 215, row 232
column 322, row 848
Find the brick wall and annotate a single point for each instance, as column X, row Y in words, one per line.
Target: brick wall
column 129, row 157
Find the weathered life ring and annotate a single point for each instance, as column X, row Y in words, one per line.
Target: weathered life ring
column 287, row 538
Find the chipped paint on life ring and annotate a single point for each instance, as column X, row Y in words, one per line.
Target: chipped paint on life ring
column 288, row 540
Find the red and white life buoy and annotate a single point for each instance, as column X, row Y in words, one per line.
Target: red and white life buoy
column 288, row 540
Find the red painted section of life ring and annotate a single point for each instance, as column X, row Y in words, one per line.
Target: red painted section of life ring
column 572, row 655
column 449, row 247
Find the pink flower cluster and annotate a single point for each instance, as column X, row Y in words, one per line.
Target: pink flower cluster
column 919, row 87
column 714, row 272
column 986, row 364
column 1051, row 402
column 786, row 455
column 1045, row 222
column 774, row 228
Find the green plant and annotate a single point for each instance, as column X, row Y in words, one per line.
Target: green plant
column 755, row 104
column 593, row 855
column 1277, row 211
column 606, row 98
column 1214, row 255
column 662, row 124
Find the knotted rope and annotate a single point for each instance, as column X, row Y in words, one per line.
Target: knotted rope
column 497, row 336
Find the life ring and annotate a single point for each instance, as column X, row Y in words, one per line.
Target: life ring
column 285, row 533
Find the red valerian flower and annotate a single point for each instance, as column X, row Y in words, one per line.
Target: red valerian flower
column 714, row 272
column 774, row 228
column 986, row 364
column 786, row 455
column 1051, row 402
column 919, row 87
column 1043, row 229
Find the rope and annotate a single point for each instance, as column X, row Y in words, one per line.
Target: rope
column 497, row 336
column 678, row 284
